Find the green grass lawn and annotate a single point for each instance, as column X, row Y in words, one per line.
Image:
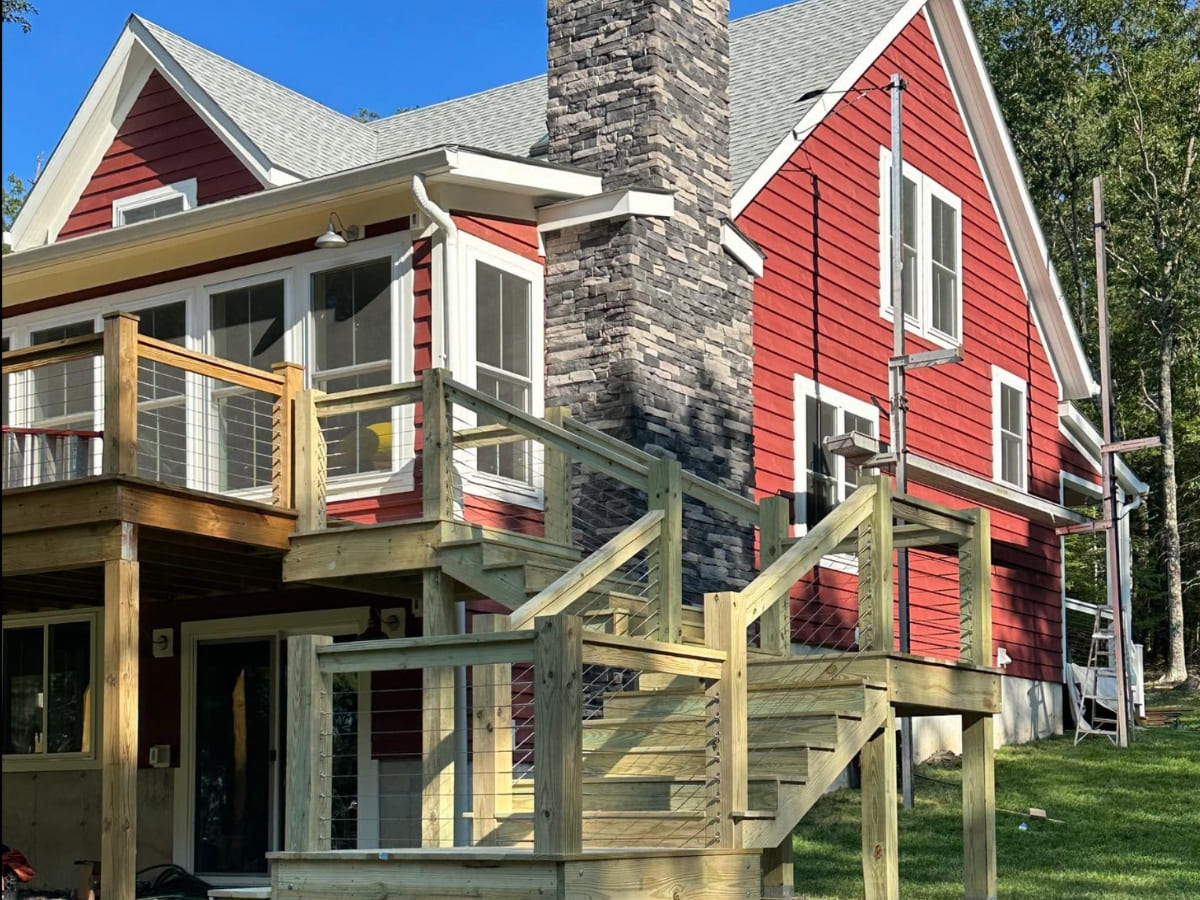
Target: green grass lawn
column 1132, row 823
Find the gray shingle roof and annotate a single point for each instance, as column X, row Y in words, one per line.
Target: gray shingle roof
column 775, row 56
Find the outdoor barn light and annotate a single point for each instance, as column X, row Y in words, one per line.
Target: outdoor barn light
column 339, row 236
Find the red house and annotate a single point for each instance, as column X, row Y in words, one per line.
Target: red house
column 681, row 234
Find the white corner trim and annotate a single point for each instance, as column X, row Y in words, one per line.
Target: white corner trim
column 742, row 249
column 833, row 95
column 610, row 205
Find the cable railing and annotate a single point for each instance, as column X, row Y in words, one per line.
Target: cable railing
column 122, row 403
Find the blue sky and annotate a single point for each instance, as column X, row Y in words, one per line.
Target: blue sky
column 378, row 54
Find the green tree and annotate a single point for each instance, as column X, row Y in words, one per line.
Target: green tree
column 1112, row 88
column 18, row 12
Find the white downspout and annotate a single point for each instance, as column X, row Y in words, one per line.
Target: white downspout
column 442, row 219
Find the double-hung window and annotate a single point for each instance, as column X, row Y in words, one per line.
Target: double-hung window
column 824, row 479
column 61, row 404
column 1010, row 429
column 49, row 687
column 931, row 285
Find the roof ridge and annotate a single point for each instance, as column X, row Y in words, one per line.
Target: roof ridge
column 155, row 27
column 489, row 90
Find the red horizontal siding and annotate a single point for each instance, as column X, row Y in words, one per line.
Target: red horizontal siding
column 816, row 313
column 161, row 141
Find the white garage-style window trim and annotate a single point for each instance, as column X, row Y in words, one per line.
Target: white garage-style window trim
column 498, row 348
column 51, row 691
column 155, row 203
column 825, row 479
column 932, row 241
column 1010, row 429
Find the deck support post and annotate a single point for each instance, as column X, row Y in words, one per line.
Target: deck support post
column 558, row 720
column 880, row 856
column 725, row 629
column 979, row 808
column 437, row 447
column 119, row 739
column 666, row 493
column 778, row 872
column 283, row 434
column 975, row 591
column 559, row 524
column 876, row 566
column 310, row 455
column 492, row 744
column 775, row 626
column 437, row 717
column 120, row 393
column 308, row 779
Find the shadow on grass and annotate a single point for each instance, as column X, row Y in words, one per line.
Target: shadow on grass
column 1131, row 825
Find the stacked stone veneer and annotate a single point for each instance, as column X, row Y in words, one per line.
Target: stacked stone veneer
column 648, row 329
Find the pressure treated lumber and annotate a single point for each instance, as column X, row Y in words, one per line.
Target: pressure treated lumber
column 119, row 739
column 775, row 626
column 979, row 808
column 492, row 744
column 120, row 394
column 875, row 567
column 437, row 448
column 665, row 494
column 308, row 783
column 725, row 629
column 437, row 716
column 880, row 852
column 283, row 432
column 558, row 716
column 311, row 463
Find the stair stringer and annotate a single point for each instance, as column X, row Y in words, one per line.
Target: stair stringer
column 465, row 564
column 795, row 800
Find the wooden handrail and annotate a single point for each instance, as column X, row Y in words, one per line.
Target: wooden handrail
column 427, row 652
column 211, row 366
column 367, row 399
column 780, row 575
column 566, row 590
column 66, row 350
column 644, row 655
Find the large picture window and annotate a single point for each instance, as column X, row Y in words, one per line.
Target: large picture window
column 931, row 290
column 824, row 479
column 49, row 688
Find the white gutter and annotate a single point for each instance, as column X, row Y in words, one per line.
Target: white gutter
column 444, row 221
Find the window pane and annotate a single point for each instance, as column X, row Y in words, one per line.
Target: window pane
column 248, row 326
column 908, row 283
column 151, row 211
column 822, row 486
column 1012, row 410
column 515, row 324
column 65, row 389
column 23, row 698
column 1012, row 460
column 910, row 213
column 506, row 460
column 352, row 318
column 488, row 339
column 358, row 442
column 68, row 710
column 945, row 301
column 945, row 233
column 862, row 426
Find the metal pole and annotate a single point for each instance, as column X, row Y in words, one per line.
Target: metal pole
column 898, row 406
column 1111, row 508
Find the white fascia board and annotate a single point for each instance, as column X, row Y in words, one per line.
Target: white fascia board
column 213, row 115
column 997, row 157
column 608, row 206
column 225, row 213
column 467, row 166
column 82, row 145
column 981, row 490
column 1087, row 439
column 816, row 114
column 741, row 248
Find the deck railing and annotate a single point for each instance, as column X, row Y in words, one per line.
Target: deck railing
column 523, row 780
column 122, row 403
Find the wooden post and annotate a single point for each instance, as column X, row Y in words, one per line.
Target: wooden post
column 778, row 873
column 283, row 434
column 558, row 724
column 119, row 747
column 725, row 629
column 492, row 745
column 775, row 624
column 975, row 591
column 437, row 448
column 875, row 573
column 311, row 471
column 559, row 525
column 437, row 717
column 666, row 493
column 979, row 779
column 880, row 856
column 308, row 788
column 120, row 393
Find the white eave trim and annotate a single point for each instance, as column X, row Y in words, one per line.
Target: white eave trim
column 1087, row 439
column 981, row 490
column 466, row 165
column 607, row 206
column 741, row 248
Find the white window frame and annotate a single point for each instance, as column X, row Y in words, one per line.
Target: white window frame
column 197, row 292
column 1001, row 379
column 927, row 189
column 185, row 189
column 62, row 762
column 463, row 362
column 803, row 390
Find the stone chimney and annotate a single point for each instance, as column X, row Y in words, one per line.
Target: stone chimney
column 648, row 328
